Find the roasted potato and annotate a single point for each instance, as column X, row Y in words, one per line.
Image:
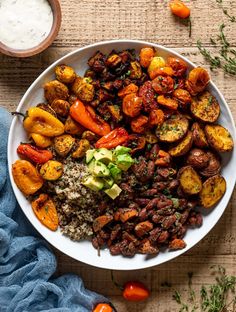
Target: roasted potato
column 26, row 177
column 82, row 148
column 55, row 90
column 183, row 147
column 72, row 127
column 101, row 221
column 212, row 191
column 113, row 60
column 90, row 136
column 61, row 107
column 173, row 129
column 189, row 180
column 135, row 70
column 198, row 158
column 199, row 137
column 219, row 138
column 65, row 73
column 76, row 84
column 85, row 92
column 63, row 144
column 213, row 167
column 205, row 107
column 150, row 137
column 51, row 170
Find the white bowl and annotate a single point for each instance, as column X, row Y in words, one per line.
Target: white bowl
column 84, row 251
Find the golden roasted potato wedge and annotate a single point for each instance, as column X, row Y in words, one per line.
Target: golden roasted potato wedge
column 173, row 129
column 213, row 167
column 51, row 170
column 63, row 144
column 189, row 180
column 219, row 138
column 205, row 107
column 183, row 147
column 212, row 191
column 199, row 137
column 55, row 90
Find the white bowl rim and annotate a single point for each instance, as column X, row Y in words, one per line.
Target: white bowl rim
column 230, row 188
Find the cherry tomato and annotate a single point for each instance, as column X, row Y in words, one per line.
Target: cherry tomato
column 179, row 67
column 197, row 80
column 163, row 85
column 156, row 117
column 139, row 124
column 147, row 94
column 135, row 291
column 132, row 105
column 146, row 55
column 179, row 9
column 103, row 307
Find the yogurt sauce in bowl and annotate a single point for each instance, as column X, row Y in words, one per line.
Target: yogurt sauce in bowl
column 24, row 24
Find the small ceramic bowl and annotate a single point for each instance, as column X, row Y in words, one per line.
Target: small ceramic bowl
column 56, row 9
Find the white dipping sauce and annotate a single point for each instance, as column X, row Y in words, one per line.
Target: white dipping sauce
column 24, row 23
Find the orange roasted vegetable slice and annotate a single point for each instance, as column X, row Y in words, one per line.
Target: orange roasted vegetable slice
column 101, row 221
column 45, row 211
column 26, row 177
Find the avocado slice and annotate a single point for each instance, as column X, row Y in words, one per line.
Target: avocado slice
column 120, row 150
column 124, row 162
column 104, row 155
column 114, row 191
column 89, row 155
column 91, row 166
column 95, row 184
column 115, row 171
column 108, row 182
column 100, row 170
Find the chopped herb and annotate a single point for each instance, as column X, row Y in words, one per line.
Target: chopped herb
column 46, row 208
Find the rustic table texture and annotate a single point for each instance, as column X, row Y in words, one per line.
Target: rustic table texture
column 86, row 22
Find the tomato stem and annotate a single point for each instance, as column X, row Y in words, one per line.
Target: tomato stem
column 115, row 283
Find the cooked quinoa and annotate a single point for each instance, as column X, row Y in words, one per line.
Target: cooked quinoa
column 77, row 206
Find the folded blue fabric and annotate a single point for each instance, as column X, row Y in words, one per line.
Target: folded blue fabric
column 26, row 262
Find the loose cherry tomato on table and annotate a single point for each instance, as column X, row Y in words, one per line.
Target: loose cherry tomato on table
column 33, row 153
column 179, row 9
column 114, row 138
column 135, row 291
column 103, row 307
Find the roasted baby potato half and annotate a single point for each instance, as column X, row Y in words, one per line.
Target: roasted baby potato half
column 205, row 107
column 51, row 170
column 212, row 191
column 189, row 180
column 199, row 137
column 55, row 90
column 65, row 73
column 83, row 146
column 213, row 167
column 173, row 129
column 61, row 107
column 63, row 144
column 219, row 138
column 198, row 158
column 183, row 147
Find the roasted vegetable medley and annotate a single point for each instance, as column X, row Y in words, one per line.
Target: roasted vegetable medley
column 144, row 131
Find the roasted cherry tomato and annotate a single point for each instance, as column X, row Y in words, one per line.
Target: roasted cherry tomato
column 135, row 291
column 132, row 105
column 197, row 81
column 179, row 67
column 179, row 9
column 116, row 137
column 139, row 124
column 136, row 143
column 103, row 307
column 163, row 85
column 33, row 153
column 147, row 95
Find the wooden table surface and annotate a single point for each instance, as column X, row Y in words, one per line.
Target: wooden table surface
column 85, row 22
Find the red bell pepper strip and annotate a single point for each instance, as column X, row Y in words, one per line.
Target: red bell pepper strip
column 116, row 137
column 35, row 154
column 86, row 116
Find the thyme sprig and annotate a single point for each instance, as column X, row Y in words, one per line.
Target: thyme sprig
column 212, row 298
column 226, row 58
column 231, row 17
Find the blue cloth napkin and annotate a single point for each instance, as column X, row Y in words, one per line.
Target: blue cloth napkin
column 26, row 262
